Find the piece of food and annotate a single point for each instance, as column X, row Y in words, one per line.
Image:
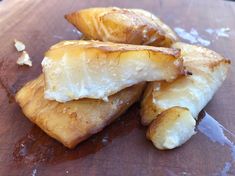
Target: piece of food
column 74, row 121
column 20, row 46
column 208, row 69
column 93, row 69
column 24, row 59
column 171, row 128
column 130, row 26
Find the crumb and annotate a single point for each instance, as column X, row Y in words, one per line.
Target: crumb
column 24, row 59
column 20, row 46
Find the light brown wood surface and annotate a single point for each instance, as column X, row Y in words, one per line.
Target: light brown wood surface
column 121, row 149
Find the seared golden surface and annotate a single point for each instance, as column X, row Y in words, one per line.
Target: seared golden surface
column 171, row 128
column 74, row 121
column 93, row 69
column 133, row 26
column 208, row 69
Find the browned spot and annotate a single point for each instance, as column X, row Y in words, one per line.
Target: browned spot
column 213, row 65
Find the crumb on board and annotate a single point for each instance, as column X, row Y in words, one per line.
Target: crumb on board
column 24, row 59
column 20, row 46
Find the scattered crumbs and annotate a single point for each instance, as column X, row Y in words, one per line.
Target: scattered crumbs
column 24, row 59
column 34, row 172
column 20, row 46
column 192, row 36
column 221, row 32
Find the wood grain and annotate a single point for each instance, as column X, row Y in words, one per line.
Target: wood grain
column 121, row 149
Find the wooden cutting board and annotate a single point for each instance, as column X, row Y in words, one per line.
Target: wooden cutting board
column 120, row 149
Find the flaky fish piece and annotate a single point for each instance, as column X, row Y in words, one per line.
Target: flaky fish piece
column 93, row 69
column 74, row 121
column 208, row 69
column 172, row 128
column 119, row 25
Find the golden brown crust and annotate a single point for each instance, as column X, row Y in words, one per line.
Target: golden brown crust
column 197, row 57
column 133, row 26
column 171, row 128
column 209, row 70
column 172, row 114
column 74, row 121
column 113, row 47
column 212, row 66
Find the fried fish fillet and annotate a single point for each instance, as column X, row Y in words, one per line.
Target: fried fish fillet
column 171, row 128
column 130, row 26
column 74, row 121
column 208, row 69
column 93, row 69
